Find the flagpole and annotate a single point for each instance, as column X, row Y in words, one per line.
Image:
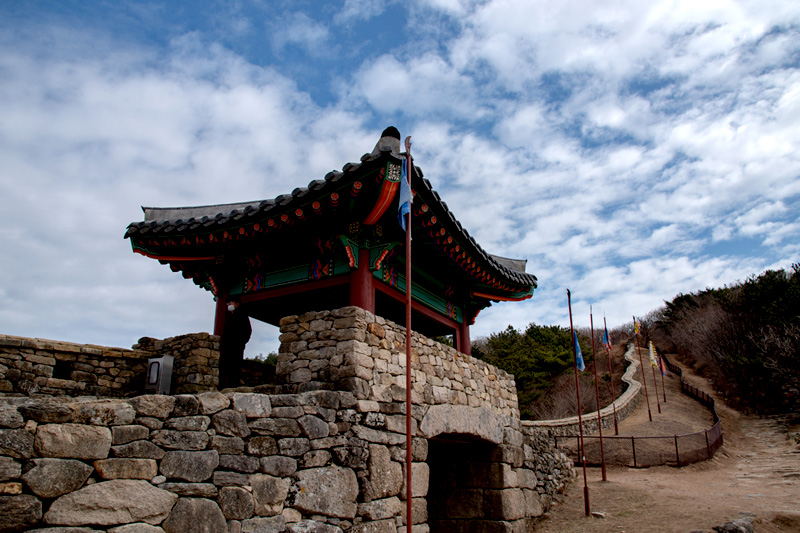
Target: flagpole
column 409, row 494
column 611, row 375
column 597, row 395
column 655, row 382
column 641, row 364
column 578, row 394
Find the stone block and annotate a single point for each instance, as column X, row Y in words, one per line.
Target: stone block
column 50, row 478
column 385, row 476
column 180, row 440
column 197, row 515
column 10, row 417
column 212, row 402
column 153, row 405
column 227, row 445
column 505, row 453
column 236, row 503
column 420, row 478
column 128, row 528
column 189, row 466
column 239, row 463
column 19, row 512
column 10, row 487
column 72, row 441
column 313, row 427
column 126, row 468
column 381, row 526
column 301, row 375
column 16, row 443
column 261, row 446
column 269, row 493
column 293, row 447
column 534, row 506
column 282, row 427
column 188, row 423
column 381, row 509
column 273, row 524
column 149, row 422
column 126, row 434
column 142, row 449
column 105, row 413
column 278, row 466
column 252, row 405
column 223, row 478
column 316, row 458
column 119, row 501
column 230, row 422
column 378, row 437
column 9, row 469
column 506, row 504
column 329, row 491
column 201, row 490
column 48, row 413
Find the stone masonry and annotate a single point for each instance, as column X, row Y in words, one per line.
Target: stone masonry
column 53, row 368
column 325, row 455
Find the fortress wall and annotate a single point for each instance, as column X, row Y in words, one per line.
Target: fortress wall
column 243, row 462
column 52, row 368
column 625, row 405
column 352, row 349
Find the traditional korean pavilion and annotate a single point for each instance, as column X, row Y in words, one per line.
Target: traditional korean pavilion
column 333, row 243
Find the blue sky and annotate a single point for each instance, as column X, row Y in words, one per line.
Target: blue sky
column 629, row 150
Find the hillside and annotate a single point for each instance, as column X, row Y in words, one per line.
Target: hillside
column 756, row 473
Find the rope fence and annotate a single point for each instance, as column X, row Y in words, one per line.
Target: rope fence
column 674, row 450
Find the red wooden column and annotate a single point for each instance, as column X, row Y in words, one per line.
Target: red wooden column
column 463, row 345
column 362, row 289
column 222, row 308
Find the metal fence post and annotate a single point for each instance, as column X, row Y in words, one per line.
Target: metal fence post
column 677, row 456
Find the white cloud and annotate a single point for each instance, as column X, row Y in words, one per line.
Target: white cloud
column 355, row 10
column 612, row 146
column 300, row 30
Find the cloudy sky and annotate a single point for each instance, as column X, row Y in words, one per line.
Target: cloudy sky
column 629, row 150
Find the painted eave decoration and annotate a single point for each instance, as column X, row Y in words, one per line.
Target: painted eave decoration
column 360, row 197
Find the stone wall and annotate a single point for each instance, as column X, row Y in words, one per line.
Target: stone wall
column 196, row 365
column 53, row 368
column 245, row 462
column 352, row 349
column 326, row 455
column 625, row 405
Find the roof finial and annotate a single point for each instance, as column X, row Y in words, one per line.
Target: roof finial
column 390, row 140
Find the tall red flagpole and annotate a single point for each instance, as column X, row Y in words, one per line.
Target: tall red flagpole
column 597, row 395
column 611, row 375
column 409, row 170
column 641, row 364
column 578, row 393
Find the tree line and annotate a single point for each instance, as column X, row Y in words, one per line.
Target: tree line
column 744, row 337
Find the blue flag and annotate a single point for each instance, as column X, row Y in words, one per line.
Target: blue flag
column 578, row 355
column 405, row 196
column 606, row 339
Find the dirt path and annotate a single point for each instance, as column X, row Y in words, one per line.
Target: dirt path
column 756, row 473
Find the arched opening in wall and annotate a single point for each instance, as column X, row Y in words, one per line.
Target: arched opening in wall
column 462, row 476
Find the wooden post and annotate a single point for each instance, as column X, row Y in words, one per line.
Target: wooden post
column 362, row 290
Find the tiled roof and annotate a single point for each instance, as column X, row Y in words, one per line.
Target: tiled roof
column 199, row 219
